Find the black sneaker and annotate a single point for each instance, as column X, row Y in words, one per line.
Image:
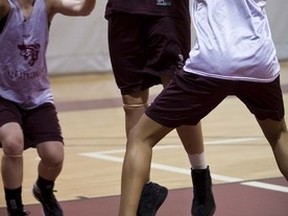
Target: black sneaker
column 19, row 213
column 152, row 197
column 203, row 202
column 50, row 205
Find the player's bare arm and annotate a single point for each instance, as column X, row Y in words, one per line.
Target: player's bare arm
column 4, row 8
column 69, row 7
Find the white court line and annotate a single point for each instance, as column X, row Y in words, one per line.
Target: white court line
column 103, row 155
column 185, row 171
column 266, row 186
column 215, row 142
column 232, row 141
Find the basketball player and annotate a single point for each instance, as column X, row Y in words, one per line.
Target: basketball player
column 27, row 113
column 234, row 55
column 148, row 42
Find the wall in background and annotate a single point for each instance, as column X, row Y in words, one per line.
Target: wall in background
column 79, row 44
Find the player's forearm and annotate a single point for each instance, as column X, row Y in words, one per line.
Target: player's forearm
column 87, row 7
column 73, row 7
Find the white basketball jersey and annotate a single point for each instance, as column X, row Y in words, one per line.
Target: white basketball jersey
column 233, row 41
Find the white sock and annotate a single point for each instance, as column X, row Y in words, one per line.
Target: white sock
column 197, row 161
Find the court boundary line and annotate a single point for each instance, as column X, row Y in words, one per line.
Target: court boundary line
column 106, row 155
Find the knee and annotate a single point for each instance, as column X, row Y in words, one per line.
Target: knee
column 278, row 139
column 136, row 99
column 53, row 161
column 53, row 156
column 13, row 147
column 135, row 106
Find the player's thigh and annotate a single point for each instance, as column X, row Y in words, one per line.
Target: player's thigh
column 11, row 135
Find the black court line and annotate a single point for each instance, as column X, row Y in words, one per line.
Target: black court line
column 105, row 103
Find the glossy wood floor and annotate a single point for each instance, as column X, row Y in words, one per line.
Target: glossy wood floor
column 92, row 119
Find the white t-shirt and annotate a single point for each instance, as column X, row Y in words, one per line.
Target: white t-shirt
column 233, row 41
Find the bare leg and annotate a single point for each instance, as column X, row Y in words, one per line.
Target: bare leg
column 11, row 138
column 134, row 106
column 49, row 168
column 277, row 136
column 52, row 156
column 192, row 139
column 137, row 161
column 12, row 160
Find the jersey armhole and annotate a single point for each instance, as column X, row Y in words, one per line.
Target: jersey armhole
column 3, row 22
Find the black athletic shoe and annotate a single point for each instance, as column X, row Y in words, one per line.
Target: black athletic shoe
column 203, row 202
column 152, row 197
column 50, row 205
column 19, row 213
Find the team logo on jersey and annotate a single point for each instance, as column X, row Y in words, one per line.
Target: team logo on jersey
column 164, row 2
column 29, row 52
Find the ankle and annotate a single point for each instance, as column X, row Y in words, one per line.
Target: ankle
column 13, row 199
column 44, row 184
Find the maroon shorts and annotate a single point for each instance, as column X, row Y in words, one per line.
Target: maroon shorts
column 39, row 125
column 143, row 48
column 190, row 97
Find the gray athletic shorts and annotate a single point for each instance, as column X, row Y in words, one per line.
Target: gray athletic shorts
column 190, row 97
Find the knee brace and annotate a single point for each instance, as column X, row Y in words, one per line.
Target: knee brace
column 135, row 106
column 12, row 156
